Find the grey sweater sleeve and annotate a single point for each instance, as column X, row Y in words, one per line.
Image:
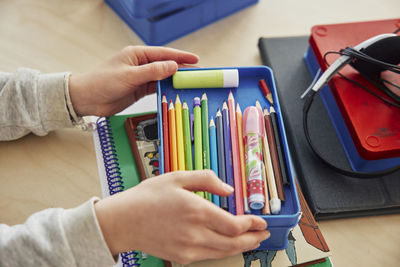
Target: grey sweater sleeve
column 56, row 237
column 34, row 102
column 39, row 103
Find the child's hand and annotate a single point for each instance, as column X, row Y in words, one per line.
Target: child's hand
column 162, row 217
column 124, row 79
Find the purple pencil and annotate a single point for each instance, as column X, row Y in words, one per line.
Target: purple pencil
column 228, row 157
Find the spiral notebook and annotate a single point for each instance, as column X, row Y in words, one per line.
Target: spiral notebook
column 118, row 172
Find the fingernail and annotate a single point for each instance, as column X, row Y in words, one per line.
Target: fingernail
column 267, row 235
column 227, row 187
column 170, row 66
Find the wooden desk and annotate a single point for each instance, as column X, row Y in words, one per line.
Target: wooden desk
column 59, row 170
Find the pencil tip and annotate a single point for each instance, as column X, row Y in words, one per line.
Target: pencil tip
column 272, row 109
column 230, row 95
column 177, row 99
column 258, row 105
column 212, row 122
column 164, row 99
column 224, row 106
column 204, row 96
column 218, row 113
column 238, row 108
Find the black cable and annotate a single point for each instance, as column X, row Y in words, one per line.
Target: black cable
column 383, row 88
column 364, row 175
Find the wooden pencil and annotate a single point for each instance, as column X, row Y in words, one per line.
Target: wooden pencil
column 221, row 155
column 266, row 209
column 275, row 202
column 213, row 156
column 279, row 146
column 237, row 175
column 205, row 137
column 187, row 137
column 274, row 154
column 266, row 91
column 198, row 147
column 239, row 122
column 164, row 105
column 228, row 157
column 179, row 134
column 172, row 137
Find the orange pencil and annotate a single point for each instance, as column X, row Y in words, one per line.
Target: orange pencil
column 172, row 138
column 237, row 175
column 239, row 122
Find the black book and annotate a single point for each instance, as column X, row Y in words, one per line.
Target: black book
column 329, row 194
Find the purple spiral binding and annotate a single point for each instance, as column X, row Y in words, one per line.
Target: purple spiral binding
column 114, row 178
column 130, row 259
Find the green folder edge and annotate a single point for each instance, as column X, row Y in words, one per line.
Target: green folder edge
column 129, row 172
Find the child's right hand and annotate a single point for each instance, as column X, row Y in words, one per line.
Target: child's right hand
column 164, row 218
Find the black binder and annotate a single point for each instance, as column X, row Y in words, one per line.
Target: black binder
column 329, row 194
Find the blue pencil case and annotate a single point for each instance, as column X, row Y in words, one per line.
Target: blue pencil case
column 246, row 95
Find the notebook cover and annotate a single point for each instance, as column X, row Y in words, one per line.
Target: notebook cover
column 374, row 139
column 130, row 177
column 329, row 194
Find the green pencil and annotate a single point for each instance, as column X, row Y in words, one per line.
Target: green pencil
column 187, row 137
column 205, row 136
column 198, row 149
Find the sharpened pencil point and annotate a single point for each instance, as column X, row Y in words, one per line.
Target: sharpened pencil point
column 212, row 124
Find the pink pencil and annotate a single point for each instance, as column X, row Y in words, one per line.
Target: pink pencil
column 237, row 176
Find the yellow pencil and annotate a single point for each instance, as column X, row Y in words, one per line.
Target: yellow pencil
column 239, row 123
column 172, row 138
column 179, row 134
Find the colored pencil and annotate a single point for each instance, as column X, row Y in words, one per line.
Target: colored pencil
column 266, row 91
column 198, row 147
column 279, row 146
column 213, row 156
column 275, row 202
column 237, row 175
column 266, row 209
column 179, row 134
column 164, row 105
column 228, row 157
column 172, row 137
column 187, row 137
column 221, row 155
column 239, row 122
column 274, row 155
column 205, row 136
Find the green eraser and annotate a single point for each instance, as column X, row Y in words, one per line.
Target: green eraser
column 220, row 78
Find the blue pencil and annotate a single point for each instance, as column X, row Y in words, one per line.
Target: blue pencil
column 228, row 157
column 213, row 156
column 221, row 155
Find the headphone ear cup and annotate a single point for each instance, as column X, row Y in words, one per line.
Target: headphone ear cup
column 386, row 50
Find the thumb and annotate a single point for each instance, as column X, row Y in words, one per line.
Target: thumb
column 204, row 180
column 154, row 71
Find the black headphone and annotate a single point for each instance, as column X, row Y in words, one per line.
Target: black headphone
column 370, row 58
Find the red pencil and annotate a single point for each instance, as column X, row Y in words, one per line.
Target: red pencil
column 237, row 175
column 164, row 106
column 266, row 91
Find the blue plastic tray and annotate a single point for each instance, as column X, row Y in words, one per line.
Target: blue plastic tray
column 162, row 24
column 246, row 94
column 356, row 162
